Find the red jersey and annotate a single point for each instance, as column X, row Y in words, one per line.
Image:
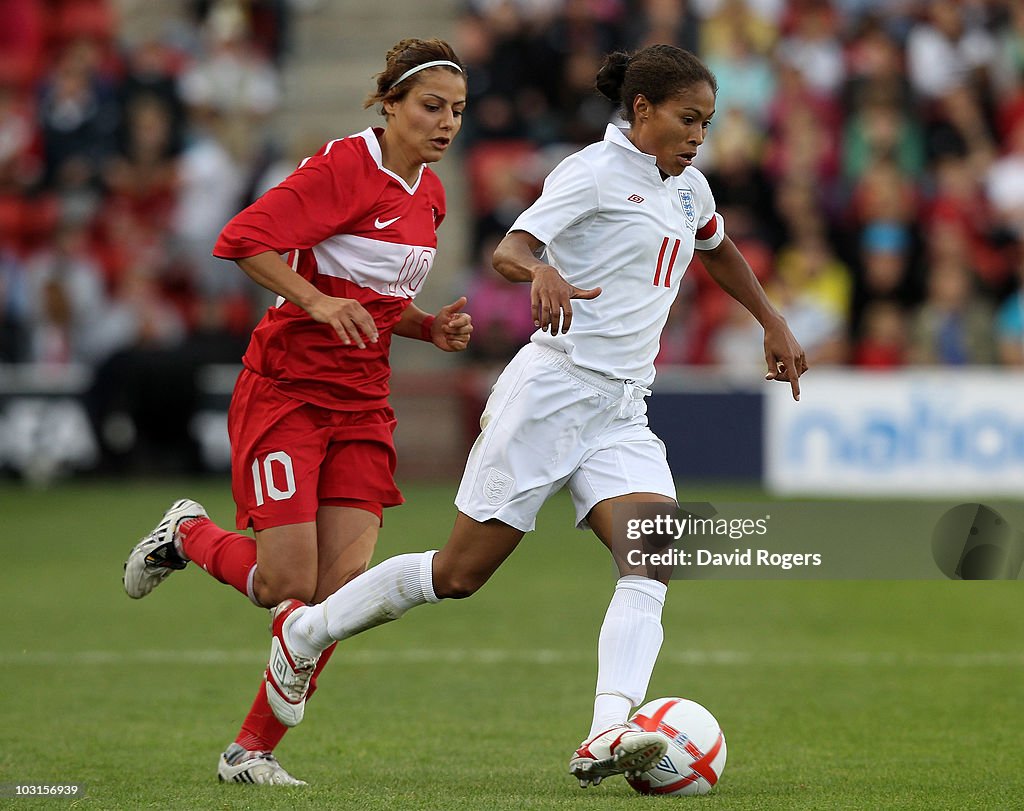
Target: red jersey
column 354, row 230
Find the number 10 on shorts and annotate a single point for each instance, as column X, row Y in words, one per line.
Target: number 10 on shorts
column 282, row 461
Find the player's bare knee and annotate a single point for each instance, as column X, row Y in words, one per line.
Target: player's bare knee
column 457, row 585
column 325, row 588
column 271, row 593
column 352, row 574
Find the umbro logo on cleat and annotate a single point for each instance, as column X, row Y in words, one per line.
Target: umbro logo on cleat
column 280, row 666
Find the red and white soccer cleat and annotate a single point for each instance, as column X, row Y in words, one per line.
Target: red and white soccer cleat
column 622, row 749
column 288, row 674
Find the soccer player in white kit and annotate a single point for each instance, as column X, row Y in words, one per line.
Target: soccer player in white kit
column 603, row 249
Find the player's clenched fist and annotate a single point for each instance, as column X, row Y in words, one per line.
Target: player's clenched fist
column 452, row 328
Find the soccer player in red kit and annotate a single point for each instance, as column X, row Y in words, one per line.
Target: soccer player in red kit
column 346, row 242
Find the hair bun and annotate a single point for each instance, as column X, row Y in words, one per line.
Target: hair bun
column 612, row 75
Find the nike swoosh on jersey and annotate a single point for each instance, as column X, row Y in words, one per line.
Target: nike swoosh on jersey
column 378, row 223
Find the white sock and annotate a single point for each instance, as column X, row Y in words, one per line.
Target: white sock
column 627, row 649
column 379, row 595
column 250, row 588
column 609, row 710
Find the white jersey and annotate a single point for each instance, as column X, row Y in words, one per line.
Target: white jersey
column 608, row 220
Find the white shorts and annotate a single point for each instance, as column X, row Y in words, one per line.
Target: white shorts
column 549, row 423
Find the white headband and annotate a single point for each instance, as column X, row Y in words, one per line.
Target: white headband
column 424, row 66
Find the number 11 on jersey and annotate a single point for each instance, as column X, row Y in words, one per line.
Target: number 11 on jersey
column 671, row 262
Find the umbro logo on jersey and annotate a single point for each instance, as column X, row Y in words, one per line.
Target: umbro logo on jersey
column 379, row 223
column 635, row 198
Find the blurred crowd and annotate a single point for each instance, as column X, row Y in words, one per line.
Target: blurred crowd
column 867, row 157
column 119, row 164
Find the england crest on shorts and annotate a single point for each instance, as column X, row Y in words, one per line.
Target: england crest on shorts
column 497, row 487
column 689, row 209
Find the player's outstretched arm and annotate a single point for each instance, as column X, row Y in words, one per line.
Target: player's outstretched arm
column 551, row 296
column 449, row 330
column 782, row 352
column 347, row 316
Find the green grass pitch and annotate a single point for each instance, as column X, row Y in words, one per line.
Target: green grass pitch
column 832, row 695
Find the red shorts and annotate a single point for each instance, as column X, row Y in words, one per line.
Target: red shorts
column 288, row 456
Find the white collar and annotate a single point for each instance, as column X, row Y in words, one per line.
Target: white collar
column 618, row 137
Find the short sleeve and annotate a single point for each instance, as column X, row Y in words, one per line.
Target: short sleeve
column 710, row 234
column 303, row 210
column 570, row 194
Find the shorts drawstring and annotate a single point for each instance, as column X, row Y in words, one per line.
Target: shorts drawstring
column 632, row 402
column 627, row 395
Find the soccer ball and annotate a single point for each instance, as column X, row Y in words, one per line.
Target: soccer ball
column 696, row 752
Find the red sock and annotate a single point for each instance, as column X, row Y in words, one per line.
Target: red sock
column 226, row 555
column 261, row 731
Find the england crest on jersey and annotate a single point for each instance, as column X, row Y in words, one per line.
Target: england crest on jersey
column 689, row 209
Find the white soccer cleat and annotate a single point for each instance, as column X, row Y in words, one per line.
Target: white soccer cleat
column 622, row 749
column 239, row 765
column 156, row 556
column 288, row 674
